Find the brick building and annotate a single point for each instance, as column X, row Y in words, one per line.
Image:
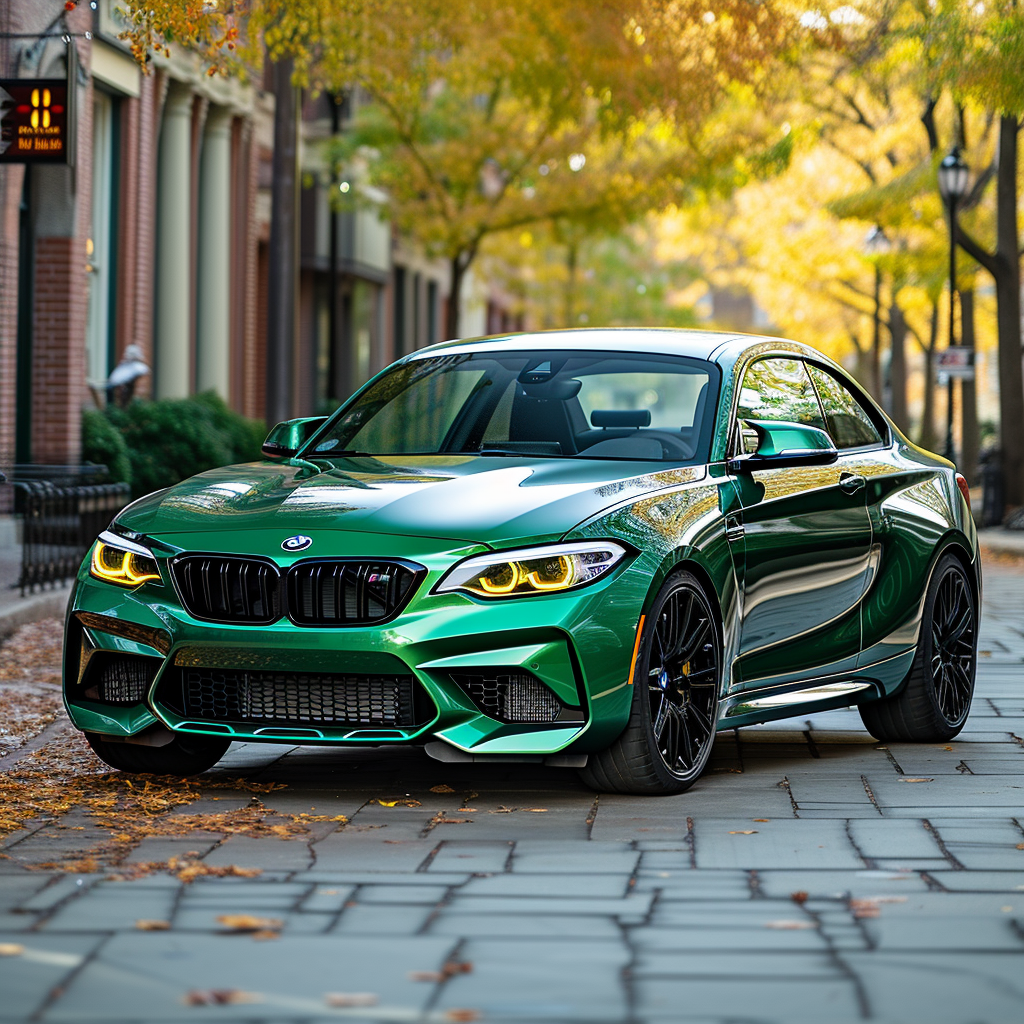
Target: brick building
column 158, row 236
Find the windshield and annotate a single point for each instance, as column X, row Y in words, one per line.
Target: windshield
column 591, row 405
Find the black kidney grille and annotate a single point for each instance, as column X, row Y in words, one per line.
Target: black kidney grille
column 284, row 698
column 348, row 593
column 510, row 696
column 226, row 589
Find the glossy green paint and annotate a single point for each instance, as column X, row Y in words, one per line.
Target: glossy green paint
column 287, row 437
column 812, row 583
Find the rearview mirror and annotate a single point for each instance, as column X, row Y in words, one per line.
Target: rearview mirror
column 780, row 443
column 288, row 437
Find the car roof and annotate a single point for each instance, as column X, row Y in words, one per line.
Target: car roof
column 677, row 341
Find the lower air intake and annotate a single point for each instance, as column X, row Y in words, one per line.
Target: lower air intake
column 510, row 696
column 119, row 678
column 294, row 698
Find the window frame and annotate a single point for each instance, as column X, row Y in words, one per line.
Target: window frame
column 881, row 424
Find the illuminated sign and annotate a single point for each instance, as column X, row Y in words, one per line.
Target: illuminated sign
column 35, row 123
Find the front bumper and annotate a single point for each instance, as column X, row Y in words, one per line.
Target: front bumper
column 577, row 644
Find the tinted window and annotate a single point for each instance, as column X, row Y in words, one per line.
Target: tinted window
column 548, row 404
column 777, row 389
column 848, row 421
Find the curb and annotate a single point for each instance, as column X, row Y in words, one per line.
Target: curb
column 50, row 605
column 1008, row 542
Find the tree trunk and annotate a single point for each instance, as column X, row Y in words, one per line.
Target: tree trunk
column 460, row 263
column 1004, row 266
column 926, row 435
column 876, row 341
column 968, row 393
column 572, row 252
column 1011, row 381
column 284, row 247
column 898, row 366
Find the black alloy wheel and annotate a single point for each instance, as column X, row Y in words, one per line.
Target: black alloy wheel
column 682, row 680
column 677, row 677
column 933, row 704
column 953, row 646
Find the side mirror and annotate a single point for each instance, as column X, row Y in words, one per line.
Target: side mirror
column 780, row 444
column 288, row 437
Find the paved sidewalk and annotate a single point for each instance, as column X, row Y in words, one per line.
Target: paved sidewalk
column 812, row 875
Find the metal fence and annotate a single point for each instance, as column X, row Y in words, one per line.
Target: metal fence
column 60, row 524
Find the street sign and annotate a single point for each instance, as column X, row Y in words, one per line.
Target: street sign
column 37, row 117
column 955, row 361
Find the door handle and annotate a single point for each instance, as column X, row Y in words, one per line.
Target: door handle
column 734, row 529
column 851, row 483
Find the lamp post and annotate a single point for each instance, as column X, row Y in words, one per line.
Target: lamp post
column 953, row 174
column 877, row 244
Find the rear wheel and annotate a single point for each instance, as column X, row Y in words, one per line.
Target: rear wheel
column 184, row 755
column 671, row 728
column 934, row 702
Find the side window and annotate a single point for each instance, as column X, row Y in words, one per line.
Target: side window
column 848, row 421
column 776, row 389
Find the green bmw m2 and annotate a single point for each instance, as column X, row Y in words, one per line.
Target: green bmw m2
column 586, row 548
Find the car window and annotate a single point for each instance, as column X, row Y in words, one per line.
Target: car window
column 776, row 389
column 549, row 404
column 848, row 421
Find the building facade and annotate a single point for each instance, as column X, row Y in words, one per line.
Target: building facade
column 158, row 236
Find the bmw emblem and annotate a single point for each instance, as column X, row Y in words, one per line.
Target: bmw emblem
column 297, row 543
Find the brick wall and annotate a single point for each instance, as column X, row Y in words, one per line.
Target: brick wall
column 11, row 179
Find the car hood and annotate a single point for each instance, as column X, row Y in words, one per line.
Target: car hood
column 467, row 498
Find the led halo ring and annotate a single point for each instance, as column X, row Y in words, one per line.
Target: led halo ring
column 130, row 564
column 548, row 569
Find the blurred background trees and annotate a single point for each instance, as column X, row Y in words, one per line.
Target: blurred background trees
column 767, row 166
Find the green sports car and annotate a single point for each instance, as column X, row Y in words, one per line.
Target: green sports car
column 588, row 548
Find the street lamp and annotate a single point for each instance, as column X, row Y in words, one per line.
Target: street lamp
column 953, row 173
column 877, row 244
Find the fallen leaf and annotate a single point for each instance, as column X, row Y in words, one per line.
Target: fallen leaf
column 864, row 908
column 534, row 810
column 11, row 949
column 467, row 810
column 145, row 925
column 457, row 1014
column 744, row 832
column 502, row 809
column 453, row 967
column 798, row 897
column 905, row 779
column 405, row 802
column 264, row 934
column 351, row 999
column 441, row 789
column 789, row 926
column 1020, row 846
column 250, row 923
column 760, row 819
column 426, row 976
column 220, row 997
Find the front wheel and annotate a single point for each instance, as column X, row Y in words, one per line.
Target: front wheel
column 933, row 704
column 676, row 679
column 184, row 755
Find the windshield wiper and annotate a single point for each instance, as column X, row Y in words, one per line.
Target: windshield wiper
column 517, row 454
column 344, row 453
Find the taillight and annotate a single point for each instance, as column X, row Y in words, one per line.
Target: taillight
column 961, row 482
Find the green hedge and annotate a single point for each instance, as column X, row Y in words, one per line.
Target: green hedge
column 151, row 445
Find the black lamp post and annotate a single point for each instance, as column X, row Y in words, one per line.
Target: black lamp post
column 953, row 174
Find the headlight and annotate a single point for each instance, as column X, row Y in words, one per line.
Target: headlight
column 120, row 561
column 542, row 570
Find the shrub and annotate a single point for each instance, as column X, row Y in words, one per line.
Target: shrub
column 104, row 445
column 171, row 439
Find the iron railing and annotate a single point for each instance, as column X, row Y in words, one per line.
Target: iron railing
column 59, row 525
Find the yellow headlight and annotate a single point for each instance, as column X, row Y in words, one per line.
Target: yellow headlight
column 125, row 568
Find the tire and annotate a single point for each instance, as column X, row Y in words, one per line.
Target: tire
column 933, row 704
column 184, row 755
column 671, row 727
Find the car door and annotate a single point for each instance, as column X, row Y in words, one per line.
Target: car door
column 807, row 543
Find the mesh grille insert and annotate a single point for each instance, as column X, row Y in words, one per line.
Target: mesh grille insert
column 226, row 589
column 119, row 678
column 510, row 696
column 348, row 593
column 284, row 698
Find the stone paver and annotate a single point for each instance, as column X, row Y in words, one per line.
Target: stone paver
column 813, row 874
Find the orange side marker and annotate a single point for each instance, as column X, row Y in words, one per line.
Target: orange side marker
column 636, row 649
